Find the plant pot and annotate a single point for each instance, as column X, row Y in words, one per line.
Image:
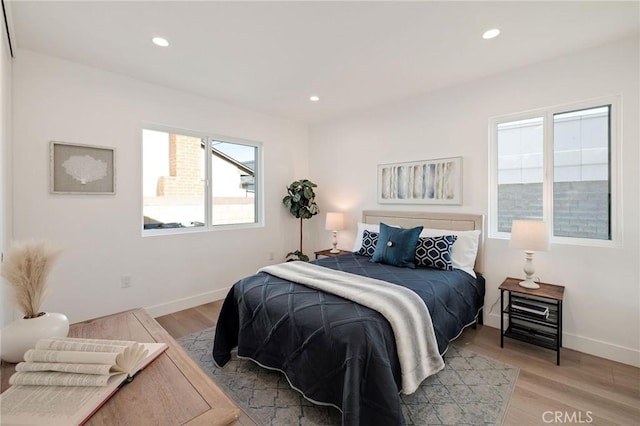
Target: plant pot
column 22, row 334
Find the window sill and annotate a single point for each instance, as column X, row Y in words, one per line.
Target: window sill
column 198, row 229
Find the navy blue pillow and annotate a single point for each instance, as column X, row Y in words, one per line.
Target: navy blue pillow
column 435, row 252
column 369, row 241
column 397, row 246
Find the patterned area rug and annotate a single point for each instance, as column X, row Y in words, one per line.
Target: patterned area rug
column 471, row 390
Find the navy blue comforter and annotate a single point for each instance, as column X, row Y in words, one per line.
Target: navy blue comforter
column 335, row 351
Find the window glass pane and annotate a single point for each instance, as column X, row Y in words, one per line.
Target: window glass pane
column 581, row 170
column 173, row 180
column 233, row 189
column 520, row 171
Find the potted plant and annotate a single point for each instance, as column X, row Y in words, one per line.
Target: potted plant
column 300, row 201
column 26, row 268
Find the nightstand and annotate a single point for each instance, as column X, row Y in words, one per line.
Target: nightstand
column 327, row 253
column 534, row 315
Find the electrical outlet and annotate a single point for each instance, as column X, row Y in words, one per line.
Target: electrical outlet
column 125, row 281
column 270, row 256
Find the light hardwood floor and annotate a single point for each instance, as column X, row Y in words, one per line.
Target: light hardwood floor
column 583, row 390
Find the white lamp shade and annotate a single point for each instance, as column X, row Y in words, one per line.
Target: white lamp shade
column 529, row 235
column 334, row 222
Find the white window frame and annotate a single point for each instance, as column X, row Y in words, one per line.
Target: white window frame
column 208, row 137
column 615, row 180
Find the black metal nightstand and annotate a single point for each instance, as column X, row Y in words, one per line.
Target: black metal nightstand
column 534, row 315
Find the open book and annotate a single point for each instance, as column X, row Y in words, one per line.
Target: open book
column 81, row 362
column 64, row 381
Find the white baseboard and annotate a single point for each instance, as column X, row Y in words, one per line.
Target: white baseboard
column 186, row 302
column 602, row 349
column 587, row 345
column 492, row 319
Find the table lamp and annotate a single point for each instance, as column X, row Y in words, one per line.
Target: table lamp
column 530, row 236
column 334, row 223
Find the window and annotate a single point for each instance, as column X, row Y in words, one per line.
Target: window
column 520, row 174
column 193, row 181
column 556, row 165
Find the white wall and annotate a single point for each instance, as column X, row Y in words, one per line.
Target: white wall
column 602, row 299
column 6, row 307
column 101, row 235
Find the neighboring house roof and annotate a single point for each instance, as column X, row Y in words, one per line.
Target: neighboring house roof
column 246, row 169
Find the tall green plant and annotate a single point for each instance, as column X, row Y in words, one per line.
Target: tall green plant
column 300, row 201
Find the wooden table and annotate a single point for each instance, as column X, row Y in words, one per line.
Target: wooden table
column 172, row 390
column 327, row 253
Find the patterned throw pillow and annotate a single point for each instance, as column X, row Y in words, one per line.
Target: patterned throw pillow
column 435, row 252
column 369, row 241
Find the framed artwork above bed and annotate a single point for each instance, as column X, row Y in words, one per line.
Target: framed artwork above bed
column 437, row 181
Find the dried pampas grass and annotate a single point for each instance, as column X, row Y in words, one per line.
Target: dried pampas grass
column 26, row 267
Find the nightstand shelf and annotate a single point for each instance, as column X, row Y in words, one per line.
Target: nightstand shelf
column 531, row 336
column 537, row 329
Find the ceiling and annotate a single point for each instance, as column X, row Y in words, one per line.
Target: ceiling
column 271, row 56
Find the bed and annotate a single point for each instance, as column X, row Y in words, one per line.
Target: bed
column 331, row 346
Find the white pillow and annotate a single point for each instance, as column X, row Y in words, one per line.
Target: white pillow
column 361, row 228
column 464, row 250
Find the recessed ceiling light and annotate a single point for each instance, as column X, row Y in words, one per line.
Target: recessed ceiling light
column 314, row 98
column 159, row 41
column 493, row 33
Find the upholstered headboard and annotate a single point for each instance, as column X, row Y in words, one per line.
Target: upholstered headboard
column 452, row 221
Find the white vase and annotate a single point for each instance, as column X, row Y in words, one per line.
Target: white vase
column 22, row 334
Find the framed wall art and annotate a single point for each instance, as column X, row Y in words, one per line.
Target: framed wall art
column 436, row 181
column 82, row 169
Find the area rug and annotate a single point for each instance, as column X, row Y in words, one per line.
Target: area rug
column 471, row 390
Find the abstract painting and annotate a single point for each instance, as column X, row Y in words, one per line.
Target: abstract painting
column 436, row 181
column 82, row 169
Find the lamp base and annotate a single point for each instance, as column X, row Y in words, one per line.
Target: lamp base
column 528, row 284
column 334, row 249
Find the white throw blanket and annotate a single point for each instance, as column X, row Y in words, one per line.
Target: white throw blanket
column 404, row 309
